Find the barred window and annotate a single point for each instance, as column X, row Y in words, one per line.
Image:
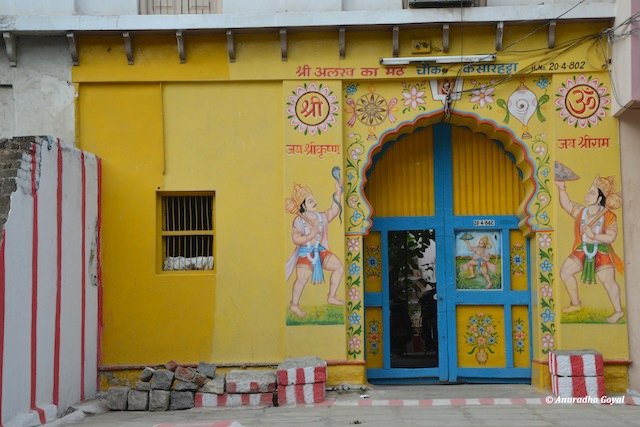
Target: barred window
column 187, row 232
column 179, row 7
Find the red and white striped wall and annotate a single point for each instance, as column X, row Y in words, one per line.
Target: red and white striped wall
column 49, row 285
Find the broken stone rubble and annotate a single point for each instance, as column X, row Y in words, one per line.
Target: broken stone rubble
column 175, row 387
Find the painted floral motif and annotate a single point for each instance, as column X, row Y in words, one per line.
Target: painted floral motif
column 312, row 109
column 370, row 109
column 354, row 345
column 352, row 170
column 374, row 338
column 481, row 336
column 372, row 262
column 413, row 97
column 354, row 303
column 582, row 101
column 482, row 94
column 542, row 82
column 544, row 240
column 518, row 259
column 543, row 167
column 351, row 88
column 548, row 343
column 519, row 336
column 354, row 319
column 545, row 282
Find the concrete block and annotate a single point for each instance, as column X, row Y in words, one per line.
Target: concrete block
column 161, row 379
column 117, row 398
column 185, row 374
column 147, row 373
column 159, row 400
column 208, row 369
column 138, row 400
column 180, row 385
column 181, row 400
column 251, row 381
column 301, row 393
column 577, row 386
column 305, row 370
column 578, row 363
column 142, row 386
column 215, row 385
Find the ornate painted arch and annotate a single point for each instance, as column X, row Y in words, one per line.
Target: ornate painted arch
column 532, row 160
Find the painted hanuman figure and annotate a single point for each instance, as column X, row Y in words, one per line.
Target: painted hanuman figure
column 595, row 229
column 310, row 234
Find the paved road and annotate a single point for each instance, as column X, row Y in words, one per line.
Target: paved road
column 395, row 406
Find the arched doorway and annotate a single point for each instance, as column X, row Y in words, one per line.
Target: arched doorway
column 451, row 298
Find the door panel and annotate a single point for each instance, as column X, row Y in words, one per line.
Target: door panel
column 485, row 179
column 401, row 181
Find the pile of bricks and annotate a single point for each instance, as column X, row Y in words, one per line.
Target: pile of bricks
column 302, row 381
column 576, row 373
column 169, row 388
column 172, row 387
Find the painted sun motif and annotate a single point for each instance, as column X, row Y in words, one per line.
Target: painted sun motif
column 371, row 109
column 312, row 109
column 582, row 101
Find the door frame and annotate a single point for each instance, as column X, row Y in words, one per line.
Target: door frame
column 445, row 225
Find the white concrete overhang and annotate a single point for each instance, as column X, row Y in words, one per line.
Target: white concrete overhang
column 25, row 24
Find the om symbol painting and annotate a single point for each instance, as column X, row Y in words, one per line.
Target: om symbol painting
column 582, row 101
column 312, row 109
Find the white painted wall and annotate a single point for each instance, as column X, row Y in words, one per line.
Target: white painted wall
column 625, row 62
column 7, row 109
column 37, row 7
column 569, row 3
column 103, row 7
column 18, row 346
column 263, row 6
column 630, row 153
column 40, row 100
column 371, row 4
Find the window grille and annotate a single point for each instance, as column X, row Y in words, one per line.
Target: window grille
column 187, row 232
column 178, row 7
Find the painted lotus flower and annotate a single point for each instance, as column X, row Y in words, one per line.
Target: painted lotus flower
column 544, row 240
column 353, row 245
column 547, row 341
column 413, row 97
column 354, row 294
column 482, row 96
column 354, row 344
column 582, row 101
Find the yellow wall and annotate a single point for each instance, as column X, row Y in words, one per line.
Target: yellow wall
column 217, row 126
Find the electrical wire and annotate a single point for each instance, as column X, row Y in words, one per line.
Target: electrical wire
column 458, row 94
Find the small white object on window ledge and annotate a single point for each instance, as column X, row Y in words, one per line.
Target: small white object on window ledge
column 180, row 263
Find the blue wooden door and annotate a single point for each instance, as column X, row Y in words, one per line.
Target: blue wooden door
column 447, row 271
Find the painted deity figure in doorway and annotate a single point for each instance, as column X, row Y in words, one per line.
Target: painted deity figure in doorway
column 595, row 229
column 480, row 260
column 310, row 234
